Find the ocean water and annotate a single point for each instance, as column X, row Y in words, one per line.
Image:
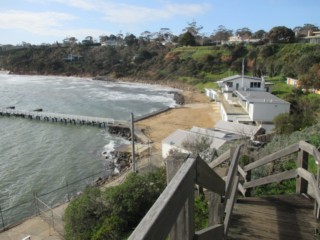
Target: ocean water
column 38, row 157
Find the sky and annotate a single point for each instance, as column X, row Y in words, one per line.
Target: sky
column 49, row 21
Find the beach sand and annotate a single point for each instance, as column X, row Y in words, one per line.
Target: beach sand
column 197, row 111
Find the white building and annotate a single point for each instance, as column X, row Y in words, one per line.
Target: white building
column 237, row 82
column 210, row 93
column 262, row 106
column 248, row 100
column 176, row 140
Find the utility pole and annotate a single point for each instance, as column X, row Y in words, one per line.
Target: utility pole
column 132, row 142
column 242, row 73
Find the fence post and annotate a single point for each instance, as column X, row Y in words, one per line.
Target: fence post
column 184, row 226
column 302, row 162
column 248, row 179
column 215, row 211
column 3, row 225
column 36, row 204
column 67, row 191
column 316, row 207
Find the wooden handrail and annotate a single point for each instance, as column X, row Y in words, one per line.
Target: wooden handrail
column 274, row 156
column 304, row 177
column 159, row 220
column 312, row 150
column 221, row 159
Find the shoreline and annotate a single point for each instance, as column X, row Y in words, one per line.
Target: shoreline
column 197, row 110
column 180, row 86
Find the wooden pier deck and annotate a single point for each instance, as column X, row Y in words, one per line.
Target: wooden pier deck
column 65, row 118
column 275, row 217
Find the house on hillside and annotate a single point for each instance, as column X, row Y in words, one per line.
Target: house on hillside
column 247, row 83
column 72, row 58
column 254, row 108
column 248, row 100
column 293, row 82
column 238, row 39
column 312, row 37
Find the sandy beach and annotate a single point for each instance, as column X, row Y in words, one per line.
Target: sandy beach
column 197, row 111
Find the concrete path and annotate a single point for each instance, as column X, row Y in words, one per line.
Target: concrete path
column 35, row 227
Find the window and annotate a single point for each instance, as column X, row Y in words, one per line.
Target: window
column 230, row 84
column 255, row 85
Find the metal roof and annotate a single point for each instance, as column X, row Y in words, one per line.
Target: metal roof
column 237, row 128
column 178, row 137
column 240, row 76
column 207, row 132
column 253, row 96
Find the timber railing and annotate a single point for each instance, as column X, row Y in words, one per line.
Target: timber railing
column 173, row 215
column 306, row 182
column 173, row 212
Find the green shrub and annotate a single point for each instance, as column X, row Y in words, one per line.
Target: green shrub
column 113, row 214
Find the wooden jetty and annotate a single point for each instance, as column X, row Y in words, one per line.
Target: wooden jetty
column 65, row 118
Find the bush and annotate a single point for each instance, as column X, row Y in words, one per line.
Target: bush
column 113, row 214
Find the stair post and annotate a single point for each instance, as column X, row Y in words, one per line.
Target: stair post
column 302, row 162
column 184, row 226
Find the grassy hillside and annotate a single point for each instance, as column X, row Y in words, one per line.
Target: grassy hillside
column 199, row 66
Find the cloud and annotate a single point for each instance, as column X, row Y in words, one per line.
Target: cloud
column 37, row 23
column 82, row 4
column 122, row 13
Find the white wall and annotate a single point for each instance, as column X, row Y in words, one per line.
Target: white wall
column 267, row 111
column 230, row 118
column 245, row 83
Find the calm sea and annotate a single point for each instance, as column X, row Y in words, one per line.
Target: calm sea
column 38, row 157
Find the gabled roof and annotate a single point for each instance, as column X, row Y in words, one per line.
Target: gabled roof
column 207, row 132
column 265, row 97
column 237, row 128
column 228, row 79
column 178, row 137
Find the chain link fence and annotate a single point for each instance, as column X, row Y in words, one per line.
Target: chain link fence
column 14, row 215
column 44, row 204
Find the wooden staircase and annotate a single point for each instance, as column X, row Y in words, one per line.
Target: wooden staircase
column 274, row 217
column 232, row 216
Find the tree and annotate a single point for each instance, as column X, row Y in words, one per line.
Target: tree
column 303, row 113
column 165, row 35
column 130, row 39
column 83, row 213
column 305, row 30
column 244, row 33
column 103, row 38
column 221, row 34
column 70, row 41
column 311, row 79
column 260, row 34
column 146, row 35
column 281, row 34
column 187, row 39
column 193, row 28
